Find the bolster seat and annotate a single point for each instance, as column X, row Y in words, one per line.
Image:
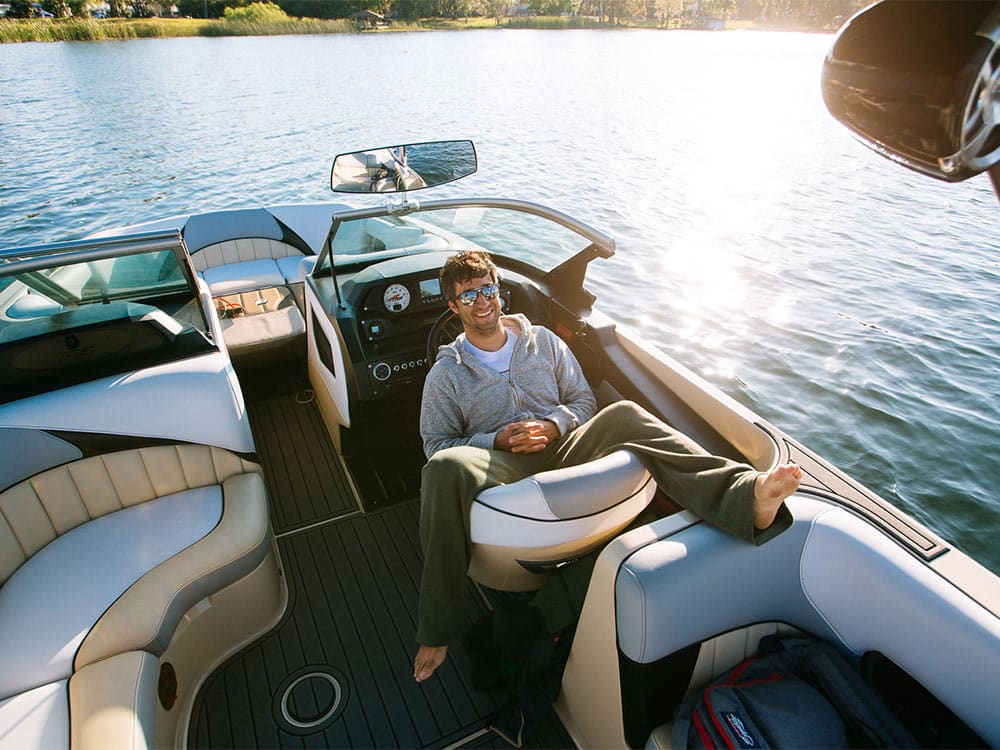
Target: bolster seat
column 524, row 530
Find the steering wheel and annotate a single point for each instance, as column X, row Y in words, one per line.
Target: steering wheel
column 444, row 331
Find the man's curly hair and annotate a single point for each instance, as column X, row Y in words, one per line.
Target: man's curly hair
column 468, row 264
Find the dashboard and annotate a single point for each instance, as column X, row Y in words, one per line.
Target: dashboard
column 388, row 311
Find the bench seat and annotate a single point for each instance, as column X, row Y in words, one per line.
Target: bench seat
column 100, row 559
column 243, row 277
column 50, row 604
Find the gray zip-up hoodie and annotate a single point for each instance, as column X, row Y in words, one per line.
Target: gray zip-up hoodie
column 466, row 403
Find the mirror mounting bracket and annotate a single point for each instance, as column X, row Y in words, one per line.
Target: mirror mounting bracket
column 402, row 207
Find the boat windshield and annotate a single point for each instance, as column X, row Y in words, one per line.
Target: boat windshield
column 76, row 316
column 528, row 237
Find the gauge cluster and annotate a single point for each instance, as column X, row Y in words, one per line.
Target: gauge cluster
column 398, row 296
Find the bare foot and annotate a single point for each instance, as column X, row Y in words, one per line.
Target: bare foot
column 770, row 491
column 428, row 659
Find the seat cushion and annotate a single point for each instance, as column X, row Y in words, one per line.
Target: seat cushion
column 253, row 332
column 51, row 602
column 146, row 616
column 37, row 718
column 233, row 278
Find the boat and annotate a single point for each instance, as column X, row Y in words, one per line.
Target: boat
column 211, row 465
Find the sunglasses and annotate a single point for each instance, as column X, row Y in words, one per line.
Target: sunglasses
column 468, row 297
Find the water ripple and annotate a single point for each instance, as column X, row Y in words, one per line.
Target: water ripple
column 850, row 301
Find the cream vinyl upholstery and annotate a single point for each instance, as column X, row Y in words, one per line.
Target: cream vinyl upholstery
column 145, row 616
column 52, row 601
column 241, row 251
column 114, row 703
column 37, row 510
column 100, row 559
column 243, row 277
column 522, row 530
column 832, row 575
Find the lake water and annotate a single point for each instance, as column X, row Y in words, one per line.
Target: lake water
column 842, row 297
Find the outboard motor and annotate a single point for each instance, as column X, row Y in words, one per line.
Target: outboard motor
column 919, row 82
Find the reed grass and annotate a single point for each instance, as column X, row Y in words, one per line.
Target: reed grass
column 91, row 29
column 278, row 27
column 554, row 22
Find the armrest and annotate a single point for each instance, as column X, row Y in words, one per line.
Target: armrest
column 112, row 703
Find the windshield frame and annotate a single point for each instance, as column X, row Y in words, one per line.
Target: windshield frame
column 566, row 278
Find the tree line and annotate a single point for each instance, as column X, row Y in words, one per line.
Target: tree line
column 770, row 13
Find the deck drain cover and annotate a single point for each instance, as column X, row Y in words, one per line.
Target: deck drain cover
column 310, row 699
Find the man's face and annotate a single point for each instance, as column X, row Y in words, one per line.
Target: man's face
column 481, row 318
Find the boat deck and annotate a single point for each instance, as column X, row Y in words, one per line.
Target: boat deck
column 337, row 671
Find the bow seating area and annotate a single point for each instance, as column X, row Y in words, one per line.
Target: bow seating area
column 257, row 286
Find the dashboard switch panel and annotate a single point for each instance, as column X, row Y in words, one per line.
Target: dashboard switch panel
column 390, row 374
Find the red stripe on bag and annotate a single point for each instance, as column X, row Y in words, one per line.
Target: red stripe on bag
column 703, row 734
column 730, row 683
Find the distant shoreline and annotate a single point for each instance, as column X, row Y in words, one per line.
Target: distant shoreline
column 91, row 29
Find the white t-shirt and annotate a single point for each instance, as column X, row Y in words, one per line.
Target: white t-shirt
column 498, row 360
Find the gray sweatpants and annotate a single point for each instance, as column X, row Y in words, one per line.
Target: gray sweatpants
column 717, row 489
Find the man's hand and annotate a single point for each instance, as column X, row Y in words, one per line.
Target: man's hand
column 526, row 437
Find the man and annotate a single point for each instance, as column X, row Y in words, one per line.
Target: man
column 508, row 399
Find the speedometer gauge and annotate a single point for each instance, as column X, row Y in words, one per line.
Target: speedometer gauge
column 396, row 298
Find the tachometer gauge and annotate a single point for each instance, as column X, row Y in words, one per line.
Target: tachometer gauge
column 396, row 298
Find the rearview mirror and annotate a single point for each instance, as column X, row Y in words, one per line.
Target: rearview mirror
column 394, row 169
column 919, row 82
